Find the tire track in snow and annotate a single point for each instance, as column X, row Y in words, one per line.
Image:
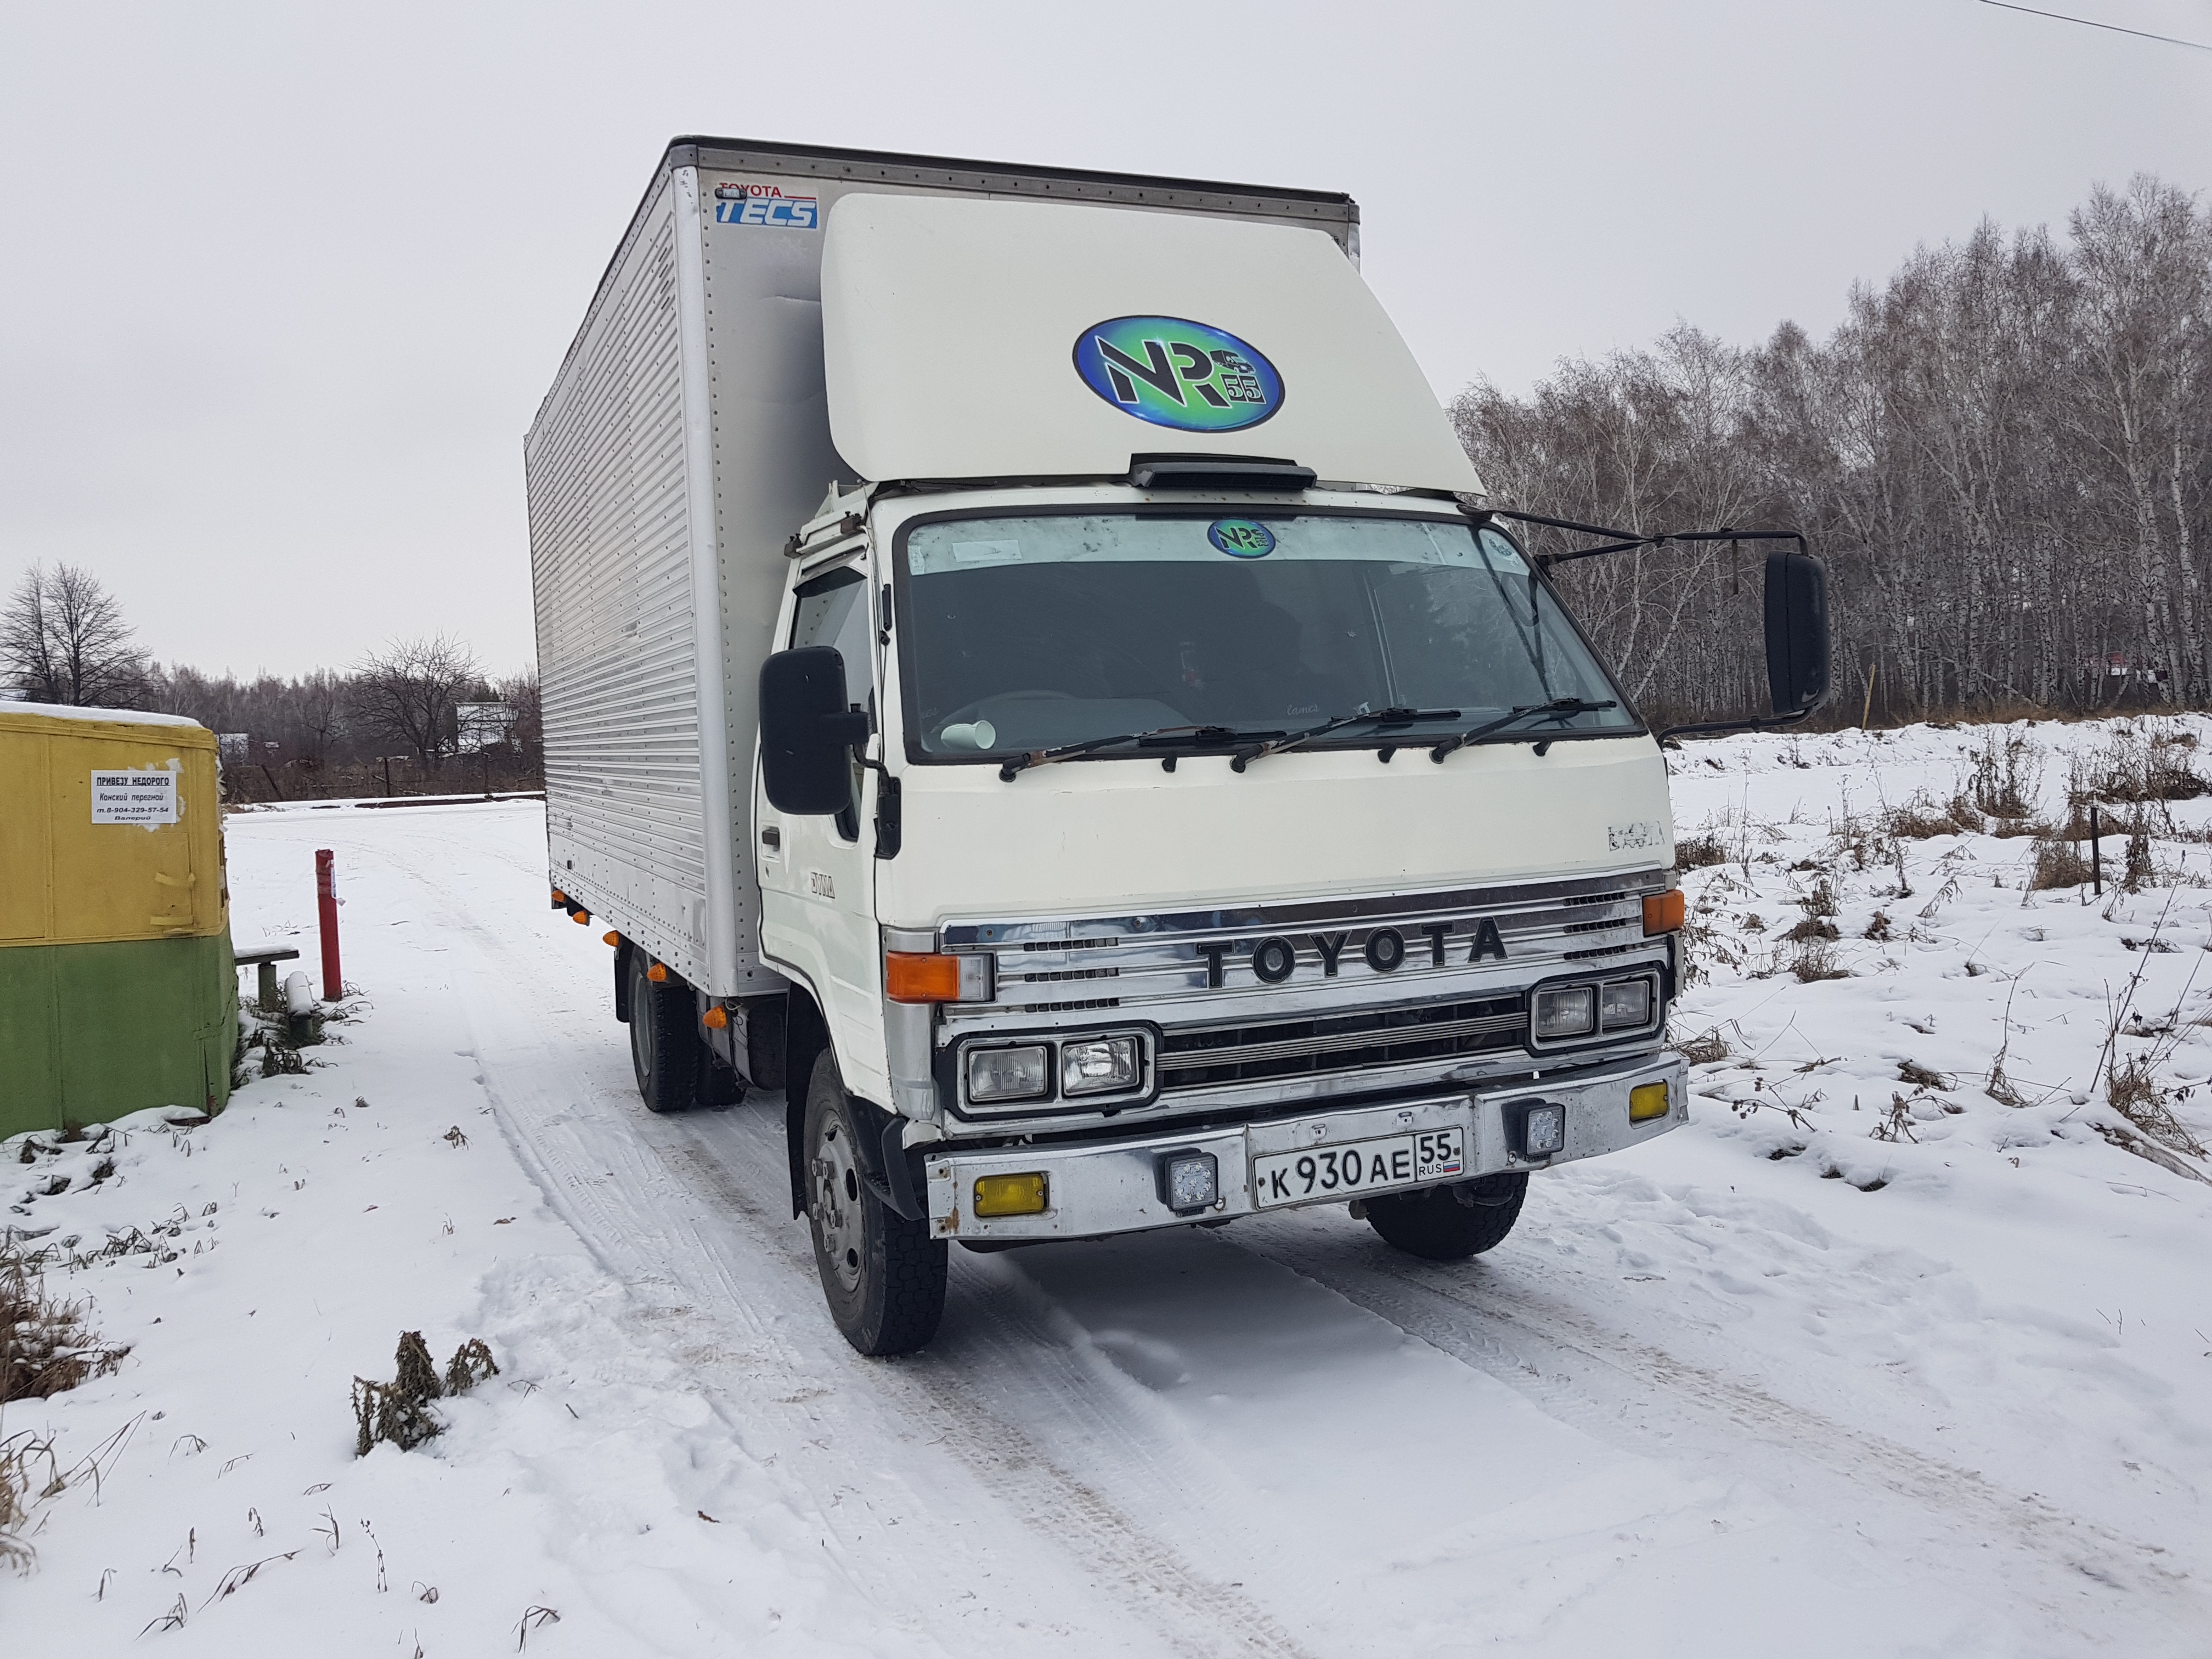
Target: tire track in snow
column 669, row 1161
column 1576, row 1367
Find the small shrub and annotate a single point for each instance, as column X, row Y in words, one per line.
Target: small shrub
column 1813, row 927
column 46, row 1344
column 1878, row 928
column 2140, row 874
column 1700, row 851
column 2132, row 1091
column 2057, row 863
column 2007, row 778
column 1922, row 1076
column 1815, row 959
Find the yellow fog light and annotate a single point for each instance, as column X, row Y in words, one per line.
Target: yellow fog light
column 1014, row 1194
column 1647, row 1101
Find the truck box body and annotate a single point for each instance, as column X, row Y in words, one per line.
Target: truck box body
column 685, row 438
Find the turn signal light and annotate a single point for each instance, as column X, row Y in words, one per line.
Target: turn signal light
column 612, row 938
column 657, row 973
column 921, row 976
column 716, row 1017
column 1009, row 1195
column 1662, row 912
column 1647, row 1101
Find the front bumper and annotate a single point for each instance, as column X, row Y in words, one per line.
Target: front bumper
column 1096, row 1188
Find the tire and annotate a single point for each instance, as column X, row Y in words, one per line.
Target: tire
column 665, row 1050
column 1451, row 1222
column 882, row 1274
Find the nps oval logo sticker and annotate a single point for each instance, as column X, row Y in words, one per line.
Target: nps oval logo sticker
column 1242, row 538
column 1173, row 372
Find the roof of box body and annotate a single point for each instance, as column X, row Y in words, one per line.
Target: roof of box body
column 1330, row 211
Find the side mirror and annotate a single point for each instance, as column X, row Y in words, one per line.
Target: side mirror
column 807, row 731
column 1796, row 631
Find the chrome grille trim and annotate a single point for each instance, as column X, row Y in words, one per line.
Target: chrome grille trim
column 1385, row 1037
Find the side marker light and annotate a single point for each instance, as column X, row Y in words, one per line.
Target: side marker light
column 581, row 918
column 657, row 973
column 613, row 938
column 717, row 1017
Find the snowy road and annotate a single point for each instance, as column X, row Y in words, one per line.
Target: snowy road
column 1701, row 1403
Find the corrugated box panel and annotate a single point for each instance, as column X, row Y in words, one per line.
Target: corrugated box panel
column 617, row 634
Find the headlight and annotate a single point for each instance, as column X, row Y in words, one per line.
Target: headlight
column 1625, row 1005
column 1103, row 1065
column 1009, row 1073
column 1570, row 1010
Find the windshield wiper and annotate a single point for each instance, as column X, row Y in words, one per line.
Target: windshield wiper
column 1558, row 708
column 1379, row 717
column 1185, row 737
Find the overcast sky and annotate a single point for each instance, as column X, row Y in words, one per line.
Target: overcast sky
column 282, row 285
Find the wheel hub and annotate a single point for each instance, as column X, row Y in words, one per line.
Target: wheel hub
column 837, row 1207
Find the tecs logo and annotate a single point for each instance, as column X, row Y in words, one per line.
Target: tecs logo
column 765, row 205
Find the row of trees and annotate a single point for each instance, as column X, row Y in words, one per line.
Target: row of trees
column 417, row 716
column 2004, row 454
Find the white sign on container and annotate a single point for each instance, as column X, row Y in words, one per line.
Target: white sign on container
column 134, row 796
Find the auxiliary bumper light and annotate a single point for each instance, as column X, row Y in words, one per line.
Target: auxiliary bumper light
column 1647, row 1101
column 1011, row 1194
column 1103, row 1065
column 1189, row 1182
column 1543, row 1130
column 1019, row 1073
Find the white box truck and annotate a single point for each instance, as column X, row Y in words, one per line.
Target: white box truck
column 1029, row 674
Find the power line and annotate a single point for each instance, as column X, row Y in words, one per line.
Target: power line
column 2091, row 23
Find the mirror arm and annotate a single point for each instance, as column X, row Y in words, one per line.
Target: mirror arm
column 1750, row 723
column 1625, row 540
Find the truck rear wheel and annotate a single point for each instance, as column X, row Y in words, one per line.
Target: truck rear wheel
column 883, row 1274
column 1451, row 1223
column 665, row 1050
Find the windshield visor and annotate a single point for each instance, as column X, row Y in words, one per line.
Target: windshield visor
column 1030, row 633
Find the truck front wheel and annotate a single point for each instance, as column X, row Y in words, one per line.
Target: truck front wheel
column 1451, row 1223
column 884, row 1275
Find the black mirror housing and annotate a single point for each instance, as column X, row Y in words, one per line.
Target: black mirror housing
column 1796, row 631
column 807, row 732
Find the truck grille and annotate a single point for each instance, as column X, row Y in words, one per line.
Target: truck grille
column 1336, row 1043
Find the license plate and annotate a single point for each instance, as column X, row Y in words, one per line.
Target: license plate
column 1359, row 1166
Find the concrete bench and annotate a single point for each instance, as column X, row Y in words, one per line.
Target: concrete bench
column 265, row 958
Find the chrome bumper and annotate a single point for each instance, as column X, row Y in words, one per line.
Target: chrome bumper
column 1101, row 1188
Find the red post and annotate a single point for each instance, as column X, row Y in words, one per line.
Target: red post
column 326, row 913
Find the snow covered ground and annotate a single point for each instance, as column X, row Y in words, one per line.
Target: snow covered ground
column 1867, row 1360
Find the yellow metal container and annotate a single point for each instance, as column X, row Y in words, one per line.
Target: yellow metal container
column 131, row 866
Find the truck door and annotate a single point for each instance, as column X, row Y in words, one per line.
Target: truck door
column 818, row 899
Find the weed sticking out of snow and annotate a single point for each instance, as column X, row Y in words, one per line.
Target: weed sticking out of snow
column 399, row 1412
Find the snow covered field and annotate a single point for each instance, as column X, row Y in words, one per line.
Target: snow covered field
column 1869, row 1359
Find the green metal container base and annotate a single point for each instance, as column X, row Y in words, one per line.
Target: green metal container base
column 91, row 1032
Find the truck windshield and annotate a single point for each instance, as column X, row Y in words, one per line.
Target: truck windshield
column 1029, row 633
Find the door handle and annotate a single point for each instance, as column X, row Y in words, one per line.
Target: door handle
column 771, row 836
